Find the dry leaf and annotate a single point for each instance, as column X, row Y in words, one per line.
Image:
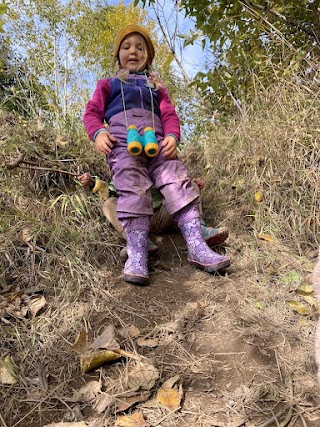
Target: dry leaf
column 143, row 377
column 81, row 344
column 130, row 332
column 97, row 358
column 88, row 392
column 305, row 290
column 126, row 402
column 36, row 303
column 266, row 237
column 7, row 372
column 25, row 235
column 106, row 340
column 299, row 308
column 101, row 187
column 147, row 342
column 134, row 420
column 171, row 381
column 170, row 395
column 258, row 196
column 103, row 402
column 311, row 300
column 62, row 140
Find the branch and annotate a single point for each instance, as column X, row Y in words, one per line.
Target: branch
column 20, row 159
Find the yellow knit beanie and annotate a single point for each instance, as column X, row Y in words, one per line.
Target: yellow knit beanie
column 129, row 29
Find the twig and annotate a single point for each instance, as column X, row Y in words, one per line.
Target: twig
column 16, row 162
column 303, row 420
column 48, row 169
column 272, row 419
column 3, row 422
column 127, row 354
column 31, row 165
column 176, row 250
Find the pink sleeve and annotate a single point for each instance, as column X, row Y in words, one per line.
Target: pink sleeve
column 93, row 117
column 169, row 118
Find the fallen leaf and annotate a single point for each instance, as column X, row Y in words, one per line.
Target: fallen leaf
column 88, row 392
column 7, row 371
column 170, row 394
column 305, row 290
column 266, row 237
column 311, row 300
column 170, row 397
column 134, row 420
column 259, row 305
column 142, row 377
column 97, row 358
column 99, row 185
column 147, row 342
column 258, row 196
column 299, row 308
column 130, row 332
column 292, row 277
column 35, row 304
column 103, row 402
column 106, row 340
column 81, row 344
column 125, row 403
column 171, row 381
column 25, row 235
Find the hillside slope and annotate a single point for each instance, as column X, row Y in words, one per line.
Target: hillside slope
column 242, row 354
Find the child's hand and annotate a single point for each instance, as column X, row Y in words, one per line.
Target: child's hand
column 199, row 182
column 169, row 147
column 86, row 179
column 104, row 142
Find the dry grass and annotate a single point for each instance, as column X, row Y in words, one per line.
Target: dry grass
column 242, row 353
column 273, row 148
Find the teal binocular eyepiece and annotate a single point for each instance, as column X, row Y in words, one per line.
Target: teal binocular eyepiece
column 136, row 143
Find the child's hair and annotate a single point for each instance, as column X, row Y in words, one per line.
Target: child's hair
column 152, row 80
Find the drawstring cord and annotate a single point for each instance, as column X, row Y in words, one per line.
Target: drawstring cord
column 124, row 104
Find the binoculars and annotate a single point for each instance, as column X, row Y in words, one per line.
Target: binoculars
column 137, row 143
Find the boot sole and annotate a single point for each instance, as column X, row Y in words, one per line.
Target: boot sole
column 211, row 268
column 136, row 280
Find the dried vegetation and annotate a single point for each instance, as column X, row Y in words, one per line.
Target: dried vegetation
column 234, row 352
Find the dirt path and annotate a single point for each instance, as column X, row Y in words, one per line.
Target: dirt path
column 234, row 343
column 242, row 356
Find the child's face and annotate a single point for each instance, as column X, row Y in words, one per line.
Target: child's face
column 132, row 53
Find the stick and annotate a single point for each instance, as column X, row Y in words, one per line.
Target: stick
column 48, row 169
column 20, row 159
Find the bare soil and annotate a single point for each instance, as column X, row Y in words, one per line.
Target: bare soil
column 243, row 356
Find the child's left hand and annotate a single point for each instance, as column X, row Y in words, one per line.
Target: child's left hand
column 169, row 147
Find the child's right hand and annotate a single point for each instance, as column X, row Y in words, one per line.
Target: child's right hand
column 104, row 142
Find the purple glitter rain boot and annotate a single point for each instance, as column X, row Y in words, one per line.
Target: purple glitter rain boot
column 199, row 253
column 136, row 266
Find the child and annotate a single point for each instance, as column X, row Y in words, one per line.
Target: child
column 136, row 97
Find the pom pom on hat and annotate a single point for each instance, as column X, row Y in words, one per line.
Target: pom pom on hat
column 129, row 29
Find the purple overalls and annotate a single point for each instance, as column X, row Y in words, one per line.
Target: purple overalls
column 133, row 176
